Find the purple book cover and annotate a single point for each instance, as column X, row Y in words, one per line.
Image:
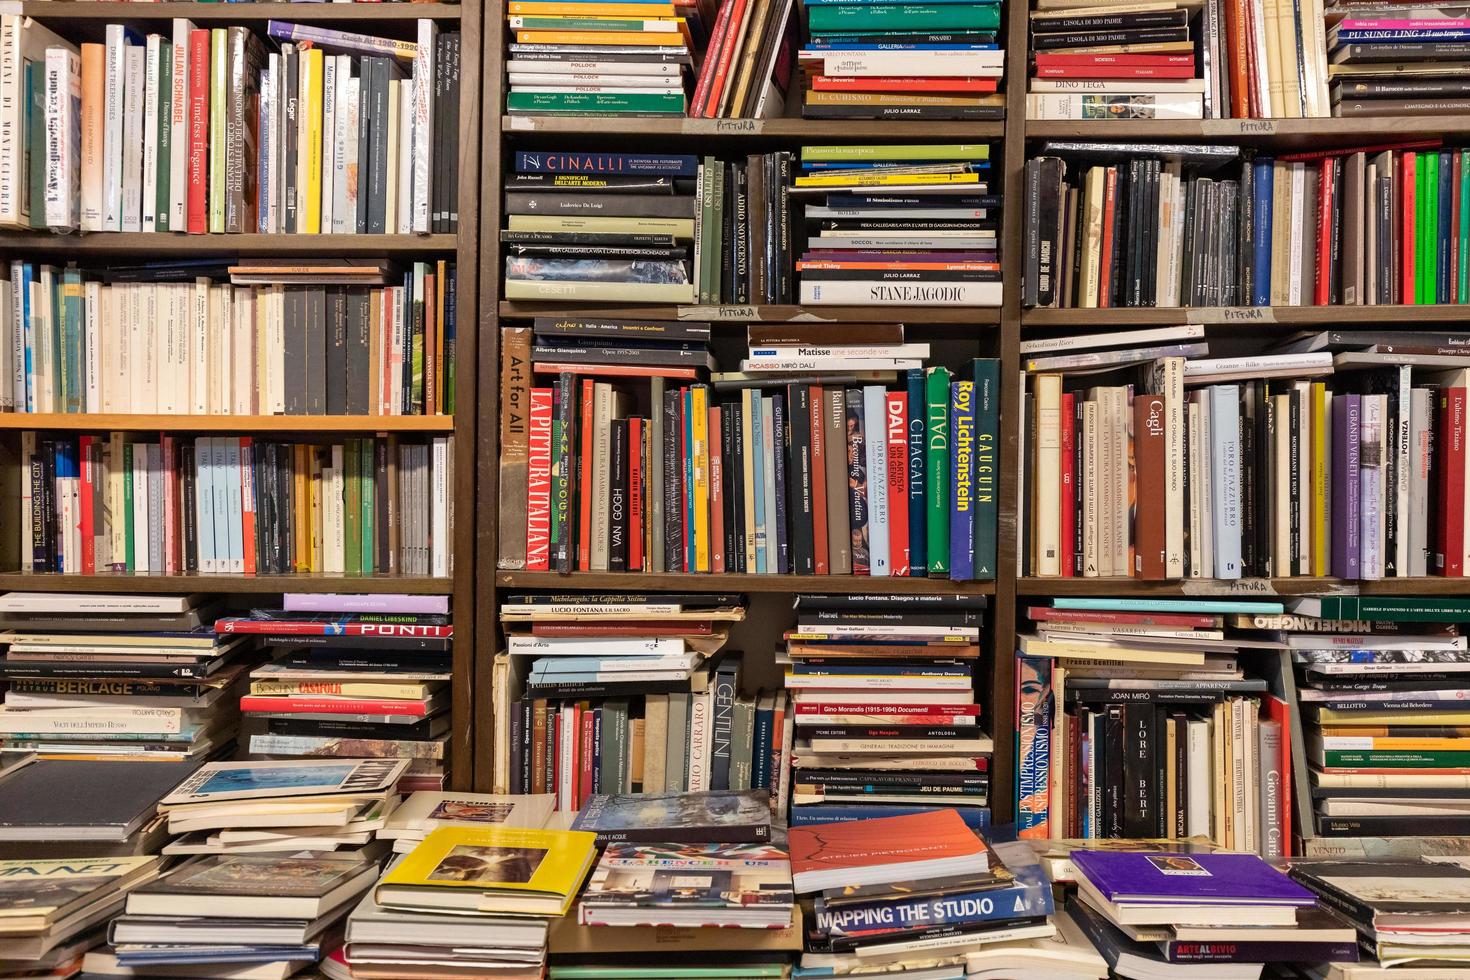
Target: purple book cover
column 870, row 255
column 1188, row 879
column 386, row 603
column 1346, row 430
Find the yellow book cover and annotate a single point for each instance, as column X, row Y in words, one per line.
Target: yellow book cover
column 883, row 180
column 642, row 11
column 310, row 211
column 314, row 504
column 599, row 37
column 492, row 869
column 1321, row 423
column 699, row 451
column 302, row 534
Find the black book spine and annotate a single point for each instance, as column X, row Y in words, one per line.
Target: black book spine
column 517, row 742
column 799, row 448
column 1035, row 230
column 289, row 68
column 617, row 509
column 727, row 238
column 785, row 246
column 1246, row 235
column 1114, row 790
column 1334, row 251
column 857, row 481
column 1139, row 813
column 1121, row 232
column 673, row 529
column 1260, row 951
column 48, row 504
column 377, row 209
column 294, row 355
column 528, row 721
column 436, row 189
column 1133, row 264
column 187, row 504
column 1188, row 278
column 1163, row 762
column 336, row 354
column 367, row 79
column 451, row 133
column 1153, row 227
column 37, row 475
column 742, row 235
column 778, row 535
column 316, row 351
column 1181, row 775
column 1294, row 482
column 1079, row 492
column 1265, row 478
column 359, row 351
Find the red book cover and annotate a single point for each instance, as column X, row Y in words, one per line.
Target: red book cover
column 1115, row 71
column 842, row 83
column 1105, row 277
column 87, row 492
column 819, row 483
column 587, row 754
column 1259, row 102
column 198, row 205
column 883, row 850
column 726, row 56
column 1046, row 614
column 1236, row 43
column 637, row 434
column 1406, row 199
column 898, row 482
column 326, row 624
column 247, row 498
column 1050, row 58
column 1148, row 455
column 707, row 69
column 1068, row 517
column 538, row 482
column 584, row 473
column 1280, row 712
column 1326, row 203
column 1452, row 482
column 309, row 704
column 716, row 491
column 1369, row 148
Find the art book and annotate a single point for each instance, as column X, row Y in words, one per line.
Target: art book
column 889, row 849
column 219, row 782
column 690, row 884
column 255, row 886
column 1170, row 878
column 426, row 811
column 717, row 816
column 33, row 894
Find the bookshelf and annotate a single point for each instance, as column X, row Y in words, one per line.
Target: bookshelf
column 996, row 331
column 77, row 21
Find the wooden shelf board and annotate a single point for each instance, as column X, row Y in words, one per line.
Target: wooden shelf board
column 807, row 130
column 226, row 423
column 963, row 315
column 66, row 10
column 1428, row 585
column 1243, row 315
column 681, row 582
column 146, row 245
column 305, row 582
column 1310, row 133
column 1037, row 587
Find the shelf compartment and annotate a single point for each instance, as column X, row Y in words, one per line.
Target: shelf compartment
column 691, row 582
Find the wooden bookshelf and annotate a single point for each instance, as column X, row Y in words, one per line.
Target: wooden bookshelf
column 85, row 21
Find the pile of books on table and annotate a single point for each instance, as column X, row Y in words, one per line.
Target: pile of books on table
column 118, row 676
column 883, row 694
column 926, row 231
column 1095, row 62
column 915, row 892
column 1388, row 60
column 1221, row 916
column 353, row 676
column 1136, row 720
column 629, row 694
column 902, row 61
column 53, row 911
column 1382, row 688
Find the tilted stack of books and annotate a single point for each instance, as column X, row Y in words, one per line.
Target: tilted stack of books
column 326, row 337
column 1104, row 61
column 203, row 131
column 119, row 677
column 932, row 238
column 916, row 893
column 747, row 68
column 1391, row 60
column 883, row 691
column 1135, row 719
column 54, row 910
column 605, row 59
column 1382, row 690
column 868, row 60
column 352, row 677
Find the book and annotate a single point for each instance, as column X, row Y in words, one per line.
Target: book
column 880, row 851
column 719, row 816
column 628, row 886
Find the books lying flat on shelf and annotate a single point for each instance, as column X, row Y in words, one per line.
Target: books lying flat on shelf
column 885, row 850
column 1406, row 913
column 92, row 808
column 1388, row 61
column 748, row 886
column 1193, row 889
column 719, row 816
column 423, row 812
column 46, row 904
column 1067, row 955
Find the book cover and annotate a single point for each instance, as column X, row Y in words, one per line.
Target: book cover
column 688, row 876
column 1187, row 879
column 722, row 816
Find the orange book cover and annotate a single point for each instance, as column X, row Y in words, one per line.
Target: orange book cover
column 93, row 78
column 907, row 839
column 1148, row 438
column 1105, row 266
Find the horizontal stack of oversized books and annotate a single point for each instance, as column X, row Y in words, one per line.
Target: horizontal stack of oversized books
column 1198, row 915
column 352, row 677
column 902, row 259
column 1136, row 719
column 53, row 911
column 118, row 676
column 1390, row 60
column 883, row 694
column 916, row 893
column 902, row 61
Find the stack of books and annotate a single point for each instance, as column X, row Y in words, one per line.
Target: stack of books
column 76, row 808
column 587, row 347
column 902, row 61
column 883, row 691
column 236, row 505
column 263, row 338
column 264, row 916
column 1406, row 914
column 925, row 234
column 118, row 677
column 624, row 694
column 1387, row 60
column 914, row 892
column 747, row 68
column 384, row 942
column 53, row 911
column 1067, row 954
column 203, row 131
column 1095, row 62
column 228, row 808
column 352, row 677
column 620, row 60
column 1382, row 705
column 1136, row 720
column 1135, row 906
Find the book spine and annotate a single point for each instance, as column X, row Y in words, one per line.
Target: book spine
column 936, row 477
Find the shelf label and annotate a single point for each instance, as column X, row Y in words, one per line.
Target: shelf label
column 1233, row 314
column 719, row 313
column 737, row 125
column 1238, row 127
column 521, row 122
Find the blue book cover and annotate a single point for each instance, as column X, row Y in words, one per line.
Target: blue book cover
column 1221, row 878
column 758, row 478
column 1225, row 477
column 604, row 164
column 1034, row 708
column 918, row 553
column 776, row 532
column 977, row 818
column 1422, row 36
column 875, row 416
column 1261, row 232
column 1027, row 896
column 987, row 465
column 962, row 480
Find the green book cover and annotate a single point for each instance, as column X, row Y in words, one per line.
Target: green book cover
column 1392, row 609
column 1430, row 276
column 708, row 260
column 34, row 153
column 610, row 763
column 165, row 134
column 351, row 507
column 717, row 233
column 1394, row 759
column 880, row 17
column 1421, row 198
column 595, row 103
column 128, row 529
column 1463, row 272
column 936, row 477
column 368, row 480
column 987, row 464
column 218, row 72
column 902, row 151
column 69, row 397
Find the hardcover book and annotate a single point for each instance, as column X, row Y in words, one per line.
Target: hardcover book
column 717, row 816
column 1187, row 879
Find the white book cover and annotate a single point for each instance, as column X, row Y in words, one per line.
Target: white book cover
column 937, row 64
column 19, row 381
column 21, row 40
column 63, row 138
column 199, row 346
column 92, row 346
column 875, row 446
column 220, row 483
column 423, row 125
column 45, row 335
column 114, row 85
column 1048, row 454
column 221, row 347
column 395, row 356
column 1225, row 478
column 204, row 503
column 350, row 182
column 275, row 368
column 152, row 69
column 1400, row 446
column 404, row 162
column 139, row 470
column 242, row 362
column 139, row 353
column 1421, row 472
column 390, row 204
column 153, row 356
column 334, row 514
column 181, row 305
column 178, row 164
column 701, row 732
column 874, row 293
column 342, row 113
column 235, row 523
column 439, row 536
column 330, row 150
column 1139, row 101
column 1206, row 494
column 132, row 129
